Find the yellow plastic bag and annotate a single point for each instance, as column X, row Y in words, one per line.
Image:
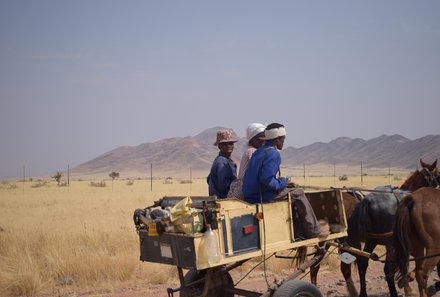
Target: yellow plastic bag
column 186, row 219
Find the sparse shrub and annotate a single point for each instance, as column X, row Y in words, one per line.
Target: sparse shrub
column 186, row 181
column 343, row 177
column 39, row 184
column 5, row 184
column 168, row 181
column 397, row 178
column 57, row 176
column 129, row 182
column 100, row 184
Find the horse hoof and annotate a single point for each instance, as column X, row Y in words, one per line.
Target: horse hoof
column 402, row 282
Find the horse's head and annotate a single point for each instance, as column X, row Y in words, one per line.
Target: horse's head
column 428, row 176
column 431, row 173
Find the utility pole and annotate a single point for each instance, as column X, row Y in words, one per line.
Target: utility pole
column 151, row 177
column 68, row 177
column 304, row 174
column 190, row 179
column 362, row 176
column 389, row 174
column 24, row 176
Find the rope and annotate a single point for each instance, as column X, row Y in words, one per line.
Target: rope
column 425, row 257
column 252, row 269
column 262, row 211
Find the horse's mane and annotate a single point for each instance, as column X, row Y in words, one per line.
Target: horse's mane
column 410, row 180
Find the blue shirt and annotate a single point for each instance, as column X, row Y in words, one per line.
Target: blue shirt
column 261, row 174
column 223, row 172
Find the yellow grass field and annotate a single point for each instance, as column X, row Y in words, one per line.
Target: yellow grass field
column 76, row 238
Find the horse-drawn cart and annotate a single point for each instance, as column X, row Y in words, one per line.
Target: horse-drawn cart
column 209, row 237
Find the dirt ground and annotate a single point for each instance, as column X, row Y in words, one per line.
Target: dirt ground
column 331, row 284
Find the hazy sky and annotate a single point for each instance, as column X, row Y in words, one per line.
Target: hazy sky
column 80, row 78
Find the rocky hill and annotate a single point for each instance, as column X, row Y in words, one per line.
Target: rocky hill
column 182, row 156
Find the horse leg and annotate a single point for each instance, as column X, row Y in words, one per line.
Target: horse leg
column 362, row 267
column 427, row 268
column 389, row 272
column 314, row 274
column 346, row 272
column 423, row 269
column 437, row 284
column 315, row 269
column 407, row 289
column 438, row 269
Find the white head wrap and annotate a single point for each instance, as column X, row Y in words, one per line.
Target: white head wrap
column 253, row 130
column 274, row 133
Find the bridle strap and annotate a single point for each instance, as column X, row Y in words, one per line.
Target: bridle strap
column 430, row 178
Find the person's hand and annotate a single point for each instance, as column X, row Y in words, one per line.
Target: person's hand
column 291, row 185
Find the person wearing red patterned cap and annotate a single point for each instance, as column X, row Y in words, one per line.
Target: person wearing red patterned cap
column 223, row 169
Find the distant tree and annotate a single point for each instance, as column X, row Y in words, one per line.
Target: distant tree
column 113, row 175
column 58, row 177
column 343, row 177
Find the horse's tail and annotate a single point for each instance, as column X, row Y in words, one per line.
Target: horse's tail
column 402, row 240
column 300, row 256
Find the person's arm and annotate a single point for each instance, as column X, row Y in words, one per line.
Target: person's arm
column 225, row 176
column 269, row 170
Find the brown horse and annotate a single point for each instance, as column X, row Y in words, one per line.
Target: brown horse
column 417, row 230
column 372, row 222
column 428, row 176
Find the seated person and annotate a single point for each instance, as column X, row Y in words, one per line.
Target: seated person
column 260, row 183
column 223, row 169
column 254, row 134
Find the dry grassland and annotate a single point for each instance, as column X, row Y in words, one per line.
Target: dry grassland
column 55, row 240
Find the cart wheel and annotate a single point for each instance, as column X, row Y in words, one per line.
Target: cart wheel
column 297, row 288
column 191, row 276
column 222, row 281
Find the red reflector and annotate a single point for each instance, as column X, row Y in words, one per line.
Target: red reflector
column 248, row 229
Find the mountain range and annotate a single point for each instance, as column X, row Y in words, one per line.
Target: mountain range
column 193, row 155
